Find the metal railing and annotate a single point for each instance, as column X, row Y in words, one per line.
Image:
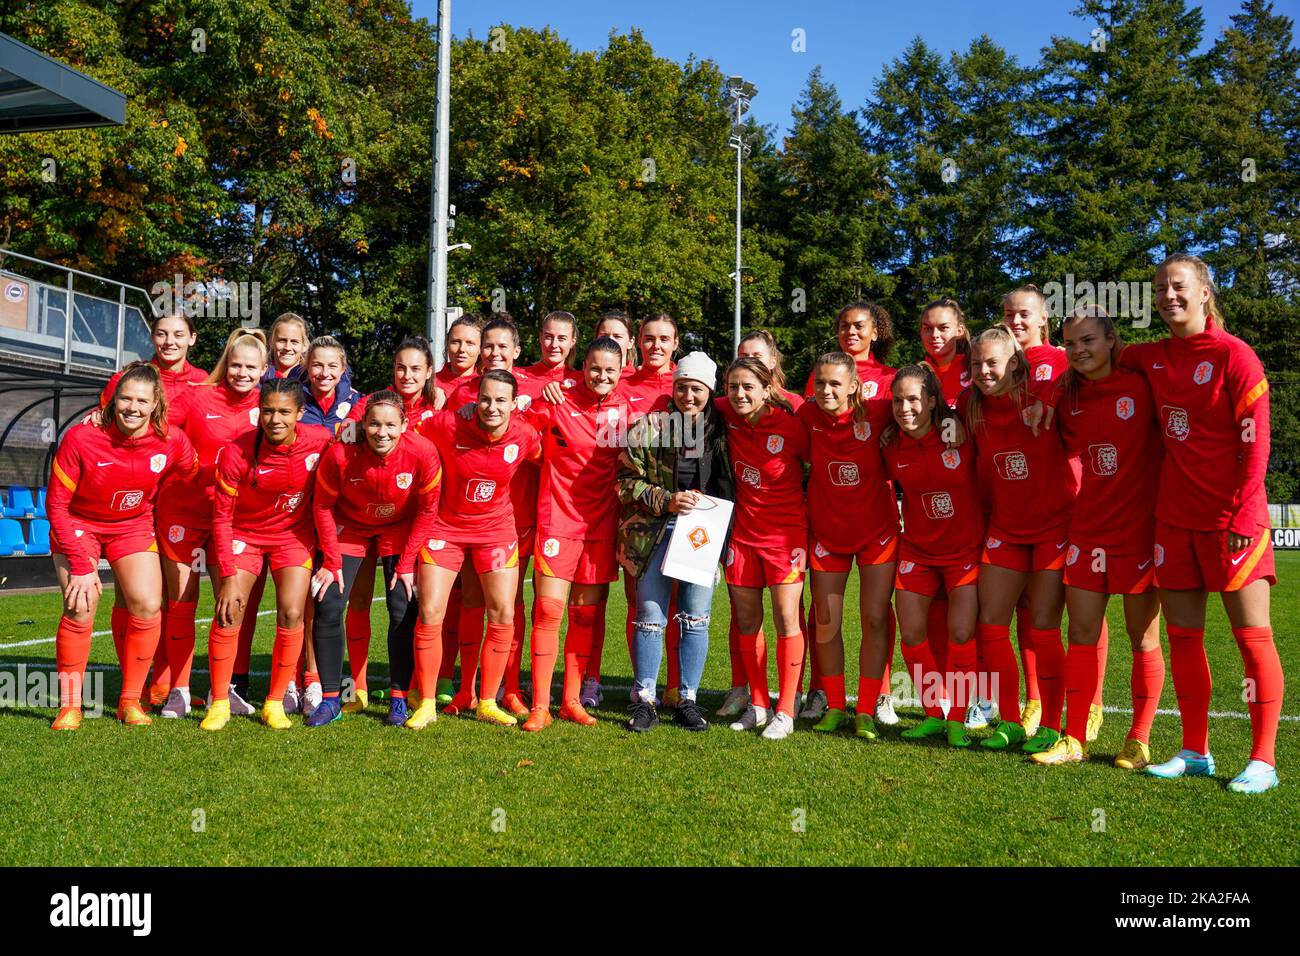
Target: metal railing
column 65, row 326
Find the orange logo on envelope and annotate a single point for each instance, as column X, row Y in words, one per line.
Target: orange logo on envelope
column 698, row 538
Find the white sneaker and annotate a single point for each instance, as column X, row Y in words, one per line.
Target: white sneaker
column 815, row 707
column 311, row 698
column 178, row 703
column 292, row 699
column 240, row 707
column 734, row 704
column 975, row 718
column 989, row 708
column 752, row 719
column 885, row 711
column 780, row 727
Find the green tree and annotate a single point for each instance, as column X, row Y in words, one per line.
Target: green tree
column 1250, row 144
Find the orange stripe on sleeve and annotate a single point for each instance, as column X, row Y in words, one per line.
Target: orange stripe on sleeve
column 63, row 477
column 1252, row 396
column 323, row 482
column 433, row 482
column 233, row 492
column 1248, row 565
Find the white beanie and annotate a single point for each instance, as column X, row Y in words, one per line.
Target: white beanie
column 697, row 367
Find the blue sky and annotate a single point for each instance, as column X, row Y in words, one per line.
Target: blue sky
column 851, row 39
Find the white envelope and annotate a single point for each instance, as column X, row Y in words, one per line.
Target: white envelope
column 696, row 545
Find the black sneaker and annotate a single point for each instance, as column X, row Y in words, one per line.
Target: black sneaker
column 689, row 716
column 643, row 717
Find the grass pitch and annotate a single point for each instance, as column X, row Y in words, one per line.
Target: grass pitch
column 463, row 792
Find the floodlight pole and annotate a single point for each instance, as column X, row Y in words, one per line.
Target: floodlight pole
column 741, row 92
column 436, row 313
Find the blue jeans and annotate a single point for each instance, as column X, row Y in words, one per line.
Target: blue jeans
column 653, row 595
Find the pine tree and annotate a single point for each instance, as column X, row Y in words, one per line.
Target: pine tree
column 1251, row 235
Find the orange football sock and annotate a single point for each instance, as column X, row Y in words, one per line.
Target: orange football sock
column 789, row 661
column 1028, row 652
column 891, row 635
column 1051, row 674
column 141, row 642
column 516, row 661
column 597, row 642
column 925, row 676
column 833, row 687
column 753, row 649
column 961, row 677
column 1003, row 673
column 577, row 647
column 496, row 656
column 357, row 628
column 1146, row 680
column 868, row 691
column 451, row 634
column 117, row 624
column 178, row 640
column 1080, row 675
column 545, row 641
column 162, row 675
column 284, row 659
column 223, row 645
column 737, row 659
column 936, row 632
column 428, row 653
column 1103, row 651
column 1264, row 672
column 470, row 627
column 71, row 655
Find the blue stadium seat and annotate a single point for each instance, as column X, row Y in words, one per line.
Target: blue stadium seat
column 20, row 503
column 11, row 537
column 40, row 503
column 38, row 537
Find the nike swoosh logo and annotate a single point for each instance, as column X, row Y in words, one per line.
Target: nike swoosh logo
column 1240, row 558
column 1142, row 566
column 210, row 416
column 462, row 448
column 967, row 567
column 264, row 471
column 1062, row 545
column 1157, row 365
column 636, row 398
column 356, row 481
column 103, row 464
column 885, row 539
column 900, row 465
column 1076, row 411
column 575, row 414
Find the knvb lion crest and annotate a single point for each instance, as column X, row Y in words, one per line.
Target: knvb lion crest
column 404, row 480
column 1204, row 372
column 775, row 443
column 1124, row 408
column 951, row 458
column 698, row 538
column 511, row 453
column 157, row 463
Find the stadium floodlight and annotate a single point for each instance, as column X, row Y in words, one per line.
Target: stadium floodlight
column 741, row 92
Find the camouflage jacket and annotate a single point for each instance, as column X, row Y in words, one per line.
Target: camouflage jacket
column 647, row 479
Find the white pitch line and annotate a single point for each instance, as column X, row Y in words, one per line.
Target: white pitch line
column 902, row 702
column 202, row 620
column 51, row 640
